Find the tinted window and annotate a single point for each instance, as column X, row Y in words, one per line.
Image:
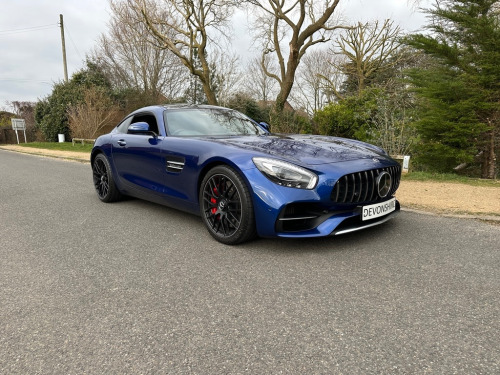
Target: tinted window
column 123, row 126
column 149, row 118
column 209, row 122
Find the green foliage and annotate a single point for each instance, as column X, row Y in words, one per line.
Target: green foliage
column 350, row 117
column 91, row 76
column 449, row 124
column 460, row 91
column 130, row 99
column 247, row 105
column 51, row 112
column 392, row 125
column 5, row 119
column 293, row 122
column 379, row 116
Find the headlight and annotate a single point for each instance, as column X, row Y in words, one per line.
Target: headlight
column 286, row 174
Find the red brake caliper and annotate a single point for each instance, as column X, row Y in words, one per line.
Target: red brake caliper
column 214, row 202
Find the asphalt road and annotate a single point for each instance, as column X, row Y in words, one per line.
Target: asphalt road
column 136, row 288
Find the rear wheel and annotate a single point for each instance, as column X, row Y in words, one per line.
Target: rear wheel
column 226, row 206
column 103, row 180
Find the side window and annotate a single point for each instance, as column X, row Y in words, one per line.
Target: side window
column 122, row 128
column 149, row 118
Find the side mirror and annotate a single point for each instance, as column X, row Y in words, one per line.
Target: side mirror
column 140, row 128
column 264, row 125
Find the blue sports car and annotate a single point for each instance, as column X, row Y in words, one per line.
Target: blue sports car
column 242, row 180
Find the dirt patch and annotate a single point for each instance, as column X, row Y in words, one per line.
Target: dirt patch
column 437, row 197
column 450, row 198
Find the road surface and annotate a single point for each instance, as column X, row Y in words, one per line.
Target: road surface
column 133, row 287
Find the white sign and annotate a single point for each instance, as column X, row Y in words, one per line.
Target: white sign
column 19, row 124
column 406, row 163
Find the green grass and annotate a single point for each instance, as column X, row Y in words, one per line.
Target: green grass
column 66, row 146
column 449, row 177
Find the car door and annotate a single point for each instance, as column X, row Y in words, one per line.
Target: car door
column 138, row 157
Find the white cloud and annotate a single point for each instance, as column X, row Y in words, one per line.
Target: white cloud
column 406, row 13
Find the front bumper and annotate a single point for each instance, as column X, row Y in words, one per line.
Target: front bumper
column 334, row 223
column 296, row 213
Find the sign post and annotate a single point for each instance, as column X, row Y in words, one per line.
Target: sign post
column 19, row 124
column 406, row 164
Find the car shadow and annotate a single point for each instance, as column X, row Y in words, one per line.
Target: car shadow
column 345, row 242
column 193, row 223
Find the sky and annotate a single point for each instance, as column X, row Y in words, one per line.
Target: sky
column 30, row 38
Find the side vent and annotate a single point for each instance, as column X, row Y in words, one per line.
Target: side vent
column 175, row 164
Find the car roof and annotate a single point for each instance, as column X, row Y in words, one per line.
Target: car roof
column 162, row 107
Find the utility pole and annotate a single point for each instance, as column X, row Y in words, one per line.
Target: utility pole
column 61, row 23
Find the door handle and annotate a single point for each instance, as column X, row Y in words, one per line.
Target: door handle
column 122, row 142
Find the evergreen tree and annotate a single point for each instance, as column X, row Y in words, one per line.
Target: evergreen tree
column 460, row 89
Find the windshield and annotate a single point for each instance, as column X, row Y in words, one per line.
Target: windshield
column 185, row 122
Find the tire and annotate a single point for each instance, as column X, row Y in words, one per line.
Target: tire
column 226, row 206
column 103, row 180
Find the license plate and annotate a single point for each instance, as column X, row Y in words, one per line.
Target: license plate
column 379, row 209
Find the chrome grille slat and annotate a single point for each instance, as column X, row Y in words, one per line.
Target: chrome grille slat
column 366, row 190
column 360, row 184
column 360, row 187
column 371, row 186
column 345, row 188
column 353, row 188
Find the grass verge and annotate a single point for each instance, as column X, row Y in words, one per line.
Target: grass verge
column 449, row 177
column 65, row 146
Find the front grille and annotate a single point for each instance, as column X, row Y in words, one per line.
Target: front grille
column 361, row 187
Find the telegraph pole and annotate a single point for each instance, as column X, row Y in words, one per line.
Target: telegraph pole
column 61, row 23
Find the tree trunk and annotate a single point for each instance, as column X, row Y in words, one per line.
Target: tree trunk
column 277, row 119
column 488, row 167
column 209, row 93
column 361, row 83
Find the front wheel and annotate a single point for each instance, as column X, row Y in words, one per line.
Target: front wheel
column 103, row 180
column 226, row 206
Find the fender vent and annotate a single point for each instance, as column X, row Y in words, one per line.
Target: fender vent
column 175, row 164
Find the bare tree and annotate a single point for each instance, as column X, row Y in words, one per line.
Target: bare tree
column 304, row 23
column 258, row 84
column 184, row 27
column 393, row 124
column 130, row 60
column 96, row 111
column 367, row 49
column 225, row 76
column 310, row 91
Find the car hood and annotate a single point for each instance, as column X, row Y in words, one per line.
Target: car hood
column 306, row 149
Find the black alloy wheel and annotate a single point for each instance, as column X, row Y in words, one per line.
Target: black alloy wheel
column 226, row 206
column 103, row 180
